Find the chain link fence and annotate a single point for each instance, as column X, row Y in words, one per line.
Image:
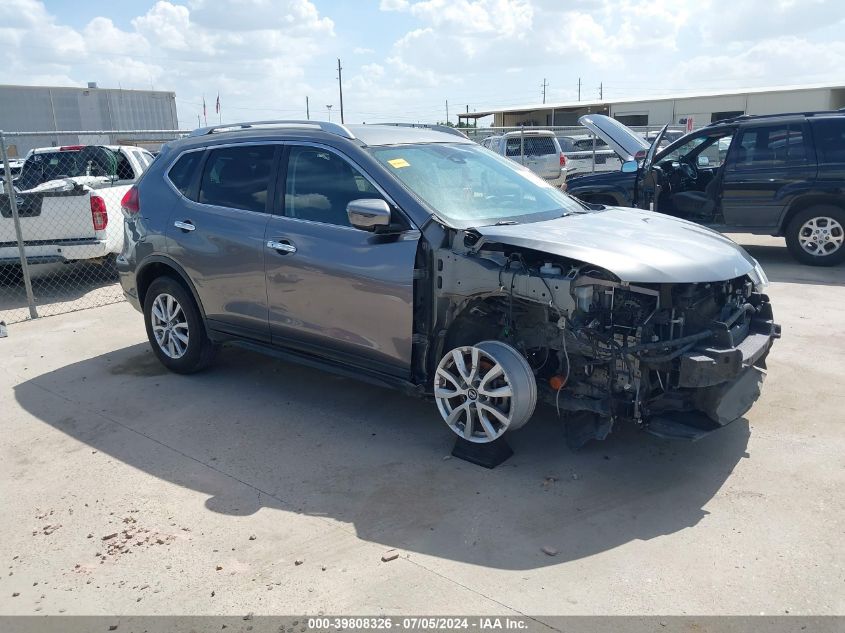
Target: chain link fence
column 585, row 153
column 61, row 224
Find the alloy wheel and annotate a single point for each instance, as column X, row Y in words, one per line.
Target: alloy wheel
column 821, row 236
column 482, row 391
column 170, row 326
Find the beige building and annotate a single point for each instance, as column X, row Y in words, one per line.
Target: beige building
column 703, row 108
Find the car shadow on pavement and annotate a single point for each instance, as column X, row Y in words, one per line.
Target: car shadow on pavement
column 252, row 432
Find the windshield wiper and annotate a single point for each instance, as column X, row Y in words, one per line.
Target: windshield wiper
column 504, row 222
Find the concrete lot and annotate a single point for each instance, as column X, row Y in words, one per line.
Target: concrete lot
column 217, row 484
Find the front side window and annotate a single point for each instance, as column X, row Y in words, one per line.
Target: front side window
column 237, row 177
column 712, row 147
column 320, row 184
column 470, row 187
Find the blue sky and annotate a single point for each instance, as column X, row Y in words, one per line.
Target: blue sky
column 404, row 58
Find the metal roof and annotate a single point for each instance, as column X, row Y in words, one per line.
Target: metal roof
column 677, row 97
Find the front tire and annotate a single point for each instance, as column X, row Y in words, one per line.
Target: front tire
column 816, row 236
column 175, row 327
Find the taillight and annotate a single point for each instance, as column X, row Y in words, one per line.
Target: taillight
column 70, row 148
column 99, row 214
column 131, row 202
column 562, row 159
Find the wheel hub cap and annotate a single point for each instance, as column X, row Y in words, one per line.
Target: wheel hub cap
column 821, row 236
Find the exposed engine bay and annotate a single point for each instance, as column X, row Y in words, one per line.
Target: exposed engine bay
column 679, row 359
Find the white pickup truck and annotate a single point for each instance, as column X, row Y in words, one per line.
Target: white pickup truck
column 68, row 201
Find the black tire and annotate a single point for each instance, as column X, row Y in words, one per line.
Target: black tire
column 199, row 351
column 794, row 230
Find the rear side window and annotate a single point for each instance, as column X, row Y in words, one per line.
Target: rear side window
column 238, row 177
column 182, row 172
column 770, row 146
column 830, row 139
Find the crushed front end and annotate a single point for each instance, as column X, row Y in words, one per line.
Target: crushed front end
column 677, row 359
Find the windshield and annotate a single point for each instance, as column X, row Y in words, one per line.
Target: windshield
column 471, row 186
column 713, row 146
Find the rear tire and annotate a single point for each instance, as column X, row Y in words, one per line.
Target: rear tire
column 815, row 237
column 175, row 327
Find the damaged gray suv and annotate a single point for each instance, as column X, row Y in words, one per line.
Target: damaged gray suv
column 413, row 257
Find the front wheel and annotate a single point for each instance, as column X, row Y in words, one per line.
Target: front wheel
column 816, row 236
column 175, row 327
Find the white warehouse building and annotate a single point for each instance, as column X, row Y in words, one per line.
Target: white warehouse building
column 703, row 108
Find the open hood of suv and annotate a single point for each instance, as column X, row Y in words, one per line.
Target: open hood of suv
column 636, row 246
column 622, row 139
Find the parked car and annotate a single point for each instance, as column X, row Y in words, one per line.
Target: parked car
column 15, row 165
column 780, row 175
column 68, row 201
column 579, row 155
column 538, row 150
column 415, row 258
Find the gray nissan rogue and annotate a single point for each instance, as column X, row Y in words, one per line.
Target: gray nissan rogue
column 415, row 258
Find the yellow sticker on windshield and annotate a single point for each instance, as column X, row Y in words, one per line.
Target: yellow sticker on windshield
column 399, row 162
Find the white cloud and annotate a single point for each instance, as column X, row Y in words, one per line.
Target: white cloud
column 265, row 56
column 393, row 5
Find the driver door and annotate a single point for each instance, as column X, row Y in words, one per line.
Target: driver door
column 333, row 290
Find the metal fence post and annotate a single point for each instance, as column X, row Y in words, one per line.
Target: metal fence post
column 13, row 205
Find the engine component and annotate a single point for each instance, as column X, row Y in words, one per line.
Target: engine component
column 485, row 390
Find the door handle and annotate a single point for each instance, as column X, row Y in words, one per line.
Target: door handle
column 185, row 225
column 282, row 247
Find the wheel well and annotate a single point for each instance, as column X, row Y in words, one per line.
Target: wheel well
column 805, row 203
column 153, row 271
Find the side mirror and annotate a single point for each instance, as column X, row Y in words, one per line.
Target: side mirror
column 368, row 214
column 630, row 167
column 703, row 161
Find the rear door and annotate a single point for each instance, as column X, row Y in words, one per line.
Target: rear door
column 335, row 290
column 216, row 232
column 766, row 164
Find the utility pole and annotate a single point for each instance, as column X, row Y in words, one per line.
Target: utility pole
column 601, row 91
column 447, row 112
column 544, row 85
column 307, row 109
column 340, row 88
column 579, row 89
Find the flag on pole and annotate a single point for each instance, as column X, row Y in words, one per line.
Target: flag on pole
column 204, row 115
column 217, row 105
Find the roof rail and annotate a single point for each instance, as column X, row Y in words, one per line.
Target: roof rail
column 325, row 126
column 775, row 115
column 429, row 126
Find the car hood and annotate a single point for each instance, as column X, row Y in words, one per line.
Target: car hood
column 636, row 246
column 622, row 139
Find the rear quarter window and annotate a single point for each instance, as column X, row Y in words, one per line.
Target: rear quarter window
column 829, row 135
column 183, row 171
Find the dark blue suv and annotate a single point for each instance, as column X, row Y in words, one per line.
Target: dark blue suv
column 780, row 175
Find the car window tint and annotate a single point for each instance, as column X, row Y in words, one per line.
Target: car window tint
column 770, row 146
column 237, row 177
column 830, row 139
column 182, row 172
column 513, row 147
column 539, row 145
column 320, row 184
